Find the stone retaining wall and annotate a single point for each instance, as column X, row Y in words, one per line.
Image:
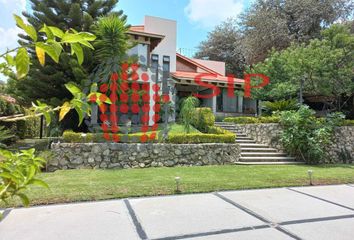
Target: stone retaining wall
column 137, row 155
column 341, row 149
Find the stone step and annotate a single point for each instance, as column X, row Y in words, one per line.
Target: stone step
column 269, row 163
column 245, row 140
column 243, row 137
column 263, row 154
column 266, row 159
column 253, row 145
column 224, row 123
column 252, row 149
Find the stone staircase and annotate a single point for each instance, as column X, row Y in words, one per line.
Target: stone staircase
column 253, row 153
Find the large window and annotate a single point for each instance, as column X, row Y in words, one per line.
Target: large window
column 166, row 64
column 154, row 61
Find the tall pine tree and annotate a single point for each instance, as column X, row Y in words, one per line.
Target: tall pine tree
column 47, row 83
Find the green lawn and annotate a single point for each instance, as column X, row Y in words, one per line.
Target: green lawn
column 83, row 185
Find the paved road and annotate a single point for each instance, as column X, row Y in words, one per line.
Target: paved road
column 325, row 212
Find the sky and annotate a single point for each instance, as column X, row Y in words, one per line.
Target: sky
column 195, row 18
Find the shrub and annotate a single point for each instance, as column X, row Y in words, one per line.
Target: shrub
column 201, row 138
column 74, row 137
column 217, row 130
column 306, row 136
column 348, row 123
column 17, row 172
column 203, row 118
column 252, row 120
column 280, row 106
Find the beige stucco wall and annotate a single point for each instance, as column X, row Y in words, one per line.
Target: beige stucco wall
column 168, row 45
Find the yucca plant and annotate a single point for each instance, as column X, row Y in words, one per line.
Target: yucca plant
column 112, row 42
column 187, row 111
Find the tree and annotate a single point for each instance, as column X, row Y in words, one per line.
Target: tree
column 47, row 83
column 325, row 65
column 18, row 170
column 276, row 23
column 224, row 43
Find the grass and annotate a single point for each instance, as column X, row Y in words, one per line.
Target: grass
column 178, row 128
column 84, row 185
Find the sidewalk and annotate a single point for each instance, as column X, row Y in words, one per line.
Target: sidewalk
column 323, row 212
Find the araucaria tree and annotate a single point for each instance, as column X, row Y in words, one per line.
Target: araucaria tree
column 46, row 83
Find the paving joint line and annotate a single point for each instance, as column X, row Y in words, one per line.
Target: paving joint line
column 5, row 214
column 322, row 199
column 204, row 234
column 139, row 228
column 310, row 220
column 256, row 215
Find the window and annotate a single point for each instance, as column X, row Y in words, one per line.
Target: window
column 166, row 64
column 154, row 61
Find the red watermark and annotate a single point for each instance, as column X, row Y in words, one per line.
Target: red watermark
column 124, row 94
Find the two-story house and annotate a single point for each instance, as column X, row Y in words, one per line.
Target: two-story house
column 178, row 75
column 156, row 48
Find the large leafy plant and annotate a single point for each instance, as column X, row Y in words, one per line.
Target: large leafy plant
column 18, row 169
column 17, row 172
column 306, row 136
column 188, row 111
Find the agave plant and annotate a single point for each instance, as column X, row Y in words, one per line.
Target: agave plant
column 279, row 106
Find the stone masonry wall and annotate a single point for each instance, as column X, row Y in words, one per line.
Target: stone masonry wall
column 264, row 133
column 137, row 155
column 341, row 149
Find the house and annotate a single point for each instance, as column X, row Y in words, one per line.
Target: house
column 157, row 44
column 177, row 75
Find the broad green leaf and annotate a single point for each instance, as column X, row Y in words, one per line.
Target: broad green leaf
column 87, row 36
column 31, row 172
column 10, row 60
column 65, row 108
column 40, row 55
column 51, row 50
column 80, row 113
column 24, row 199
column 47, row 117
column 29, row 29
column 73, row 88
column 56, row 31
column 57, row 46
column 39, row 182
column 22, row 62
column 47, row 31
column 71, row 38
column 77, row 49
column 86, row 43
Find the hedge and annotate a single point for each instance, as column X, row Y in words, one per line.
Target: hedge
column 348, row 123
column 73, row 137
column 250, row 120
column 200, row 138
column 272, row 119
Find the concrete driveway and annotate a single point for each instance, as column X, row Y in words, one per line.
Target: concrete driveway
column 324, row 212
